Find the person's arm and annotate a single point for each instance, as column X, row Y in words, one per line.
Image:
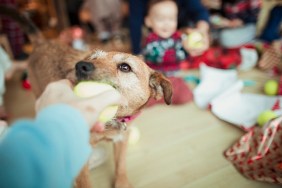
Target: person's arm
column 46, row 152
column 51, row 150
column 203, row 26
column 253, row 12
column 192, row 10
column 200, row 16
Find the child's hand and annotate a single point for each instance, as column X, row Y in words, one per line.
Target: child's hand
column 219, row 22
column 202, row 43
column 235, row 23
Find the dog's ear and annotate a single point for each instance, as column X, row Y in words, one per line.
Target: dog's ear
column 160, row 87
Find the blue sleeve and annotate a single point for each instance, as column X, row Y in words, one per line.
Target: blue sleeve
column 47, row 152
column 192, row 10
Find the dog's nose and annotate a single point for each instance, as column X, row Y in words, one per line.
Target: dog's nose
column 84, row 68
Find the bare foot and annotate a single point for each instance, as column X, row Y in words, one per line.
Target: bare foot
column 16, row 66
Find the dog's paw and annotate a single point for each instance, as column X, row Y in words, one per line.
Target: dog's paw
column 122, row 182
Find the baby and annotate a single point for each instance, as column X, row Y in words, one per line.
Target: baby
column 163, row 48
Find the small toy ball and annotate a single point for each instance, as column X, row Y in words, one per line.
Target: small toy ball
column 90, row 88
column 134, row 135
column 271, row 87
column 195, row 40
column 266, row 116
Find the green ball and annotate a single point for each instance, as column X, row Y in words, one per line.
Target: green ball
column 195, row 40
column 87, row 89
column 90, row 88
column 271, row 87
column 266, row 116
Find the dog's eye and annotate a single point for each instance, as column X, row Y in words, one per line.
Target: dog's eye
column 124, row 67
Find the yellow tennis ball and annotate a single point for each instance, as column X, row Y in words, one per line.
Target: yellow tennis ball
column 195, row 40
column 271, row 87
column 266, row 116
column 90, row 88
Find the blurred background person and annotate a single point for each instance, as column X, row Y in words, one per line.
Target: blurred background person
column 192, row 14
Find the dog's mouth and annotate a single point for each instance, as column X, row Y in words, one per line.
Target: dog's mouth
column 80, row 77
column 76, row 80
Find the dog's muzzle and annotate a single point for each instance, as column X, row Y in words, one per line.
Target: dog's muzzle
column 83, row 69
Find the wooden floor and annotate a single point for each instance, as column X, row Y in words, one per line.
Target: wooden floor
column 180, row 146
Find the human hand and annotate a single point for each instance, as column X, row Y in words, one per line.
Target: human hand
column 235, row 23
column 62, row 92
column 219, row 21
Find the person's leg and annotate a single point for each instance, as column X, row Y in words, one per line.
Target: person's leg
column 137, row 12
column 232, row 38
column 271, row 30
column 73, row 7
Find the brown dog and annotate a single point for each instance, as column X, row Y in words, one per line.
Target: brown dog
column 137, row 83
